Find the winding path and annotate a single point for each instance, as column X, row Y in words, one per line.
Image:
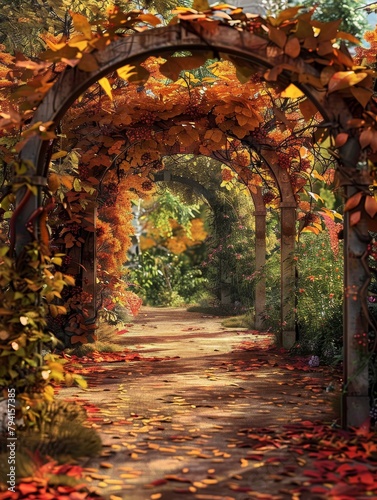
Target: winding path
column 179, row 420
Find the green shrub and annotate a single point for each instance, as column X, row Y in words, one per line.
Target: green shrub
column 319, row 297
column 165, row 279
column 62, row 436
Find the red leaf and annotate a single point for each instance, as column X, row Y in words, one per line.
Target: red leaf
column 158, row 482
column 313, row 473
column 353, row 201
column 319, row 489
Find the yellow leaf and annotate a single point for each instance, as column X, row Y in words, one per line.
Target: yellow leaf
column 150, row 19
column 105, row 84
column 53, row 310
column 315, row 196
column 81, row 24
column 292, row 92
column 317, row 175
column 345, row 79
column 310, row 229
column 56, row 366
column 80, row 381
column 49, row 393
column 59, row 154
column 126, row 72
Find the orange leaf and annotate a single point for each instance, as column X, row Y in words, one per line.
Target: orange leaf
column 308, row 109
column 26, row 488
column 365, row 137
column 373, row 142
column 150, row 19
column 81, row 24
column 174, row 65
column 345, row 79
column 88, row 63
column 292, row 47
column 79, row 338
column 278, row 37
column 355, row 218
column 341, row 139
column 347, row 36
column 362, row 95
column 353, row 201
column 370, row 206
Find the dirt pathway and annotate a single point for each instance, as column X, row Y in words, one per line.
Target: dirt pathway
column 199, row 414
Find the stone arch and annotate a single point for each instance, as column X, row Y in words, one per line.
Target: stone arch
column 251, row 48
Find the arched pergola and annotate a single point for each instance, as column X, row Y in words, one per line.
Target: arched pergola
column 260, row 232
column 253, row 49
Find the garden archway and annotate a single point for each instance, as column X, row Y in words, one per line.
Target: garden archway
column 254, row 50
column 260, row 232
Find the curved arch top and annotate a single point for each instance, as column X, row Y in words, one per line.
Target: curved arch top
column 73, row 81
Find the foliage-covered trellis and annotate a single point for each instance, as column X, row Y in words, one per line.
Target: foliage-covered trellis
column 296, row 54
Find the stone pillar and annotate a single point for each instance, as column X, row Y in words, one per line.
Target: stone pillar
column 355, row 400
column 260, row 261
column 288, row 271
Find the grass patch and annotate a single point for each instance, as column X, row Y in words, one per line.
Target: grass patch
column 62, row 435
column 86, row 349
column 237, row 322
column 107, row 340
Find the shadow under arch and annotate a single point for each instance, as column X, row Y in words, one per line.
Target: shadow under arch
column 252, row 48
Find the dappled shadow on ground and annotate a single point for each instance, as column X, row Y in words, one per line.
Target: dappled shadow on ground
column 211, row 414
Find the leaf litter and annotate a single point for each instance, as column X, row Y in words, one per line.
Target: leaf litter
column 300, row 460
